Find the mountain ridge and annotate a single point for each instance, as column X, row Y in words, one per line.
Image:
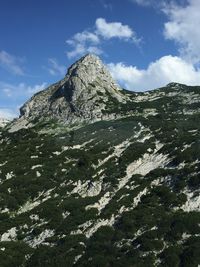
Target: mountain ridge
column 85, row 95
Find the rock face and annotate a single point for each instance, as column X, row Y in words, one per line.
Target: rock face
column 81, row 95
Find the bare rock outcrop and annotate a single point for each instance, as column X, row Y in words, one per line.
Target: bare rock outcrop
column 82, row 95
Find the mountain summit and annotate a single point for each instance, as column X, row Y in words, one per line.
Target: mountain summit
column 82, row 95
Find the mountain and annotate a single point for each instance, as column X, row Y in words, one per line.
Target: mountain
column 83, row 95
column 94, row 175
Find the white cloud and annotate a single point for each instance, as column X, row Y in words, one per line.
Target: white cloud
column 165, row 70
column 11, row 63
column 78, row 49
column 183, row 28
column 6, row 113
column 84, row 37
column 81, row 49
column 55, row 68
column 82, row 43
column 94, row 50
column 20, row 90
column 110, row 30
column 90, row 41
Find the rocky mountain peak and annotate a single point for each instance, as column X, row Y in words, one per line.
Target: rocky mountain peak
column 83, row 95
column 88, row 69
column 87, row 72
column 87, row 64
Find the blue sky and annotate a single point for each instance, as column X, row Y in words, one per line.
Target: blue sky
column 145, row 43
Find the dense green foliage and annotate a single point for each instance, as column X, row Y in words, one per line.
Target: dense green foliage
column 41, row 169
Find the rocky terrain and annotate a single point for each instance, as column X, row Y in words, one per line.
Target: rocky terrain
column 82, row 96
column 94, row 175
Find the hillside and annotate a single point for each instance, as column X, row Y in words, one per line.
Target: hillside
column 94, row 175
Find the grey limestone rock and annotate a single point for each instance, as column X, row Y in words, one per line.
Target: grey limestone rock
column 81, row 96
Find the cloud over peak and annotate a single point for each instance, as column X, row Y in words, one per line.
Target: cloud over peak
column 90, row 41
column 159, row 73
column 110, row 30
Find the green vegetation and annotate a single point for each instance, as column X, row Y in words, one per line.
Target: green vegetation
column 50, row 176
